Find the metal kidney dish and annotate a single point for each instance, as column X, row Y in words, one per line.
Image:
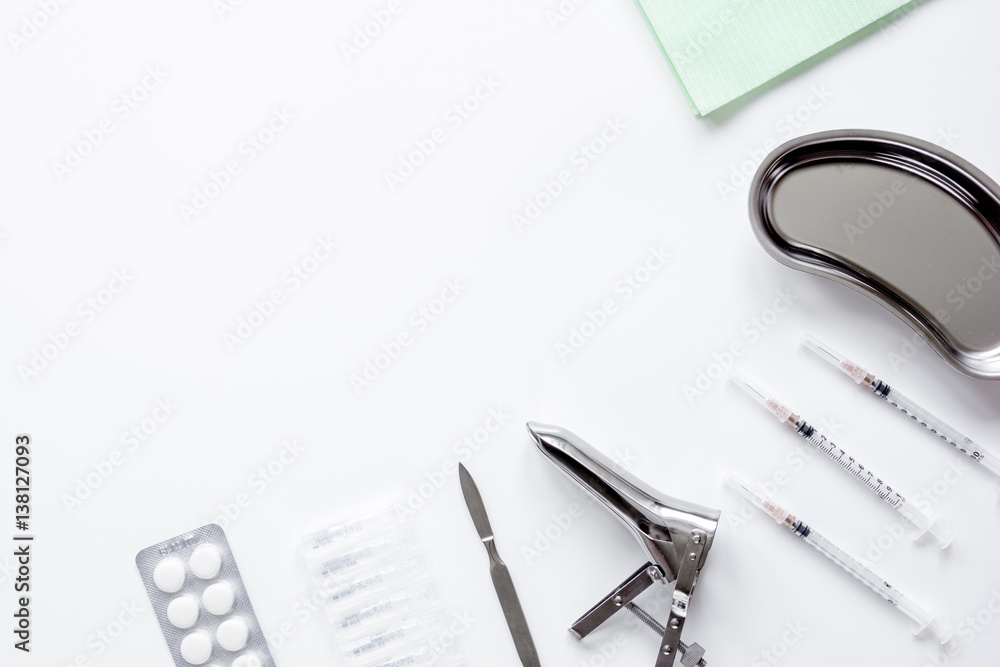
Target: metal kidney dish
column 912, row 226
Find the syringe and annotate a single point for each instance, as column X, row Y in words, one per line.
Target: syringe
column 897, row 400
column 924, row 618
column 860, row 472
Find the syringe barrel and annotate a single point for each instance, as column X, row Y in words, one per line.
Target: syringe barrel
column 851, row 564
column 857, row 470
column 941, row 430
column 924, row 618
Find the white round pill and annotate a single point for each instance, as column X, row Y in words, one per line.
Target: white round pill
column 247, row 660
column 219, row 598
column 232, row 634
column 183, row 612
column 169, row 575
column 196, row 648
column 206, row 561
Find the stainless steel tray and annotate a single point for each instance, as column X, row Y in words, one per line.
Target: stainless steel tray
column 908, row 224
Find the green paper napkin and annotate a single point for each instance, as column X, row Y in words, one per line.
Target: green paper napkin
column 721, row 49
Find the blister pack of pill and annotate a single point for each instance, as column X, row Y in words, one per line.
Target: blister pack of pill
column 198, row 597
column 377, row 589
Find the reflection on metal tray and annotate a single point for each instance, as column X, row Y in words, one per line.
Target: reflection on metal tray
column 910, row 225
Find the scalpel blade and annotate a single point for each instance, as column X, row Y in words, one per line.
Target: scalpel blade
column 502, row 582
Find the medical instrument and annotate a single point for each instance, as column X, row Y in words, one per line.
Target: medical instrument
column 675, row 534
column 925, row 620
column 896, row 399
column 860, row 472
column 502, row 582
column 910, row 225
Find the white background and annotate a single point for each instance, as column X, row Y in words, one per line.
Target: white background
column 931, row 75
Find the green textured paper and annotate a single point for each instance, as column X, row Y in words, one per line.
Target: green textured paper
column 721, row 49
